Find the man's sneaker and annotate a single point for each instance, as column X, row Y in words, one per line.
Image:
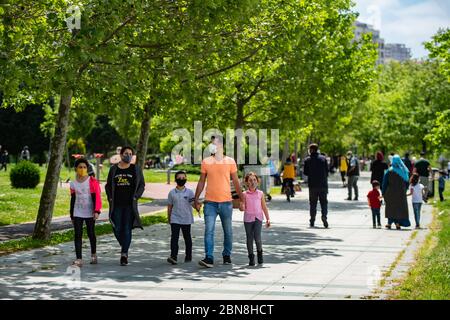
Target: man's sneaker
column 379, row 226
column 172, row 260
column 226, row 260
column 260, row 257
column 374, row 226
column 325, row 222
column 356, row 199
column 348, row 198
column 187, row 259
column 123, row 260
column 208, row 263
column 311, row 223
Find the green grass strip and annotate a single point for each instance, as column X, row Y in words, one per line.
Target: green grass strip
column 429, row 277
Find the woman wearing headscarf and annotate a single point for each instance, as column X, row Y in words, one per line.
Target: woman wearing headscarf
column 394, row 187
column 378, row 168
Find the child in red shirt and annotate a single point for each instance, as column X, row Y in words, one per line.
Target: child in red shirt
column 374, row 200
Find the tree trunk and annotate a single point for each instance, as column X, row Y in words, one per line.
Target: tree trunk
column 239, row 124
column 424, row 146
column 48, row 196
column 142, row 144
column 285, row 153
column 296, row 149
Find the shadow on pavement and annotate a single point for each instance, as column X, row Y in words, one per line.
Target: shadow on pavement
column 148, row 267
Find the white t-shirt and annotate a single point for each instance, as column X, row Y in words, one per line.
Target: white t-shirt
column 83, row 200
column 417, row 195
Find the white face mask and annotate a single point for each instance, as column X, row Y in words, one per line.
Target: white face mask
column 212, row 148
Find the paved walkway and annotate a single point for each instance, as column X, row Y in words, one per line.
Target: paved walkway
column 342, row 262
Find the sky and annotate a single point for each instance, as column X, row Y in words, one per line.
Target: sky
column 411, row 22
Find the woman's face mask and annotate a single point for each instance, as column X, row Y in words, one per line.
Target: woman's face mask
column 127, row 158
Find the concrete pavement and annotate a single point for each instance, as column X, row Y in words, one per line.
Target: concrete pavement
column 342, row 262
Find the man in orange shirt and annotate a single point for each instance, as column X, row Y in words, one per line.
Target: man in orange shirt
column 218, row 169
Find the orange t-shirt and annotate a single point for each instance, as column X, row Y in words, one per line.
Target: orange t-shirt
column 218, row 175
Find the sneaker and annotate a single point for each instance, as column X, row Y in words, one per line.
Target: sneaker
column 208, row 263
column 77, row 263
column 379, row 226
column 348, row 198
column 260, row 257
column 397, row 226
column 187, row 259
column 388, row 226
column 172, row 260
column 94, row 259
column 356, row 199
column 417, row 226
column 374, row 226
column 311, row 223
column 251, row 259
column 226, row 260
column 123, row 260
column 325, row 222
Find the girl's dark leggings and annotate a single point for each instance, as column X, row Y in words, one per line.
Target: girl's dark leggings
column 253, row 232
column 90, row 226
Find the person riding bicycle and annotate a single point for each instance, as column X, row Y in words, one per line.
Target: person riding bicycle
column 289, row 176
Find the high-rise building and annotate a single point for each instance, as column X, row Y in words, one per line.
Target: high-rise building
column 386, row 51
column 396, row 51
column 364, row 28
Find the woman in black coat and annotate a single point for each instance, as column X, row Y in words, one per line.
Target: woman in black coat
column 124, row 186
column 394, row 188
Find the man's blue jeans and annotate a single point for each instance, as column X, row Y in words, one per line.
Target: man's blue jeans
column 225, row 212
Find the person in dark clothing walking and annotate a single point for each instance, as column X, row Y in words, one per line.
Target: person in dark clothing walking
column 408, row 163
column 353, row 175
column 378, row 167
column 423, row 168
column 4, row 160
column 124, row 186
column 316, row 169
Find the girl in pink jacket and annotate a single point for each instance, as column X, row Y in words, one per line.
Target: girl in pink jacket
column 85, row 207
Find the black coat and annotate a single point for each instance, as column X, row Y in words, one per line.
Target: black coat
column 316, row 168
column 139, row 190
column 394, row 194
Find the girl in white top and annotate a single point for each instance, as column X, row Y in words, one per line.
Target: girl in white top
column 416, row 189
column 85, row 207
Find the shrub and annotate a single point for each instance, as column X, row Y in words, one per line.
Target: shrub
column 187, row 167
column 24, row 175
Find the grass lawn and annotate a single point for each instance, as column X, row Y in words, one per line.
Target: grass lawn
column 429, row 277
column 21, row 205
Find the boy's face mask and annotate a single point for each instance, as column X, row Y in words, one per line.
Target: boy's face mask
column 180, row 182
column 82, row 172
